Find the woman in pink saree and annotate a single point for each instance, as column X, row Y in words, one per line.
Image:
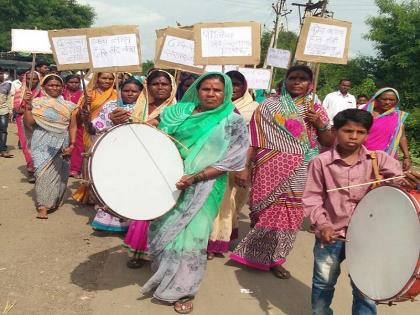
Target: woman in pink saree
column 72, row 92
column 24, row 134
column 387, row 132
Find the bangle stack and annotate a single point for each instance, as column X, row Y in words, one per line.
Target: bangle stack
column 199, row 177
column 324, row 128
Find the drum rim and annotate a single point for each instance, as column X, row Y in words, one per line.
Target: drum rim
column 416, row 270
column 89, row 168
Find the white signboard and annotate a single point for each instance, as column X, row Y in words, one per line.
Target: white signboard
column 226, row 42
column 326, row 40
column 279, row 58
column 71, row 49
column 178, row 50
column 257, row 78
column 219, row 68
column 114, row 51
column 32, row 41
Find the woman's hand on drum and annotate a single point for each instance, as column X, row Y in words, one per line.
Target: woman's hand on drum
column 185, row 182
column 328, row 235
column 243, row 178
column 119, row 116
column 315, row 119
column 153, row 122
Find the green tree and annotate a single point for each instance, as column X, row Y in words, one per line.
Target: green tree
column 396, row 34
column 265, row 43
column 43, row 14
column 360, row 71
column 285, row 40
column 147, row 65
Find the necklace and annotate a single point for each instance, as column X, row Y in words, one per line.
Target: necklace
column 199, row 109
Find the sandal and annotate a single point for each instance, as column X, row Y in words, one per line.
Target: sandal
column 42, row 214
column 184, row 305
column 210, row 256
column 6, row 155
column 280, row 272
column 135, row 263
column 75, row 175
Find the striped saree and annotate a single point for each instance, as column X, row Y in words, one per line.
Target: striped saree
column 285, row 142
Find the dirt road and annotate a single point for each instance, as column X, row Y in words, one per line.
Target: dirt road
column 60, row 266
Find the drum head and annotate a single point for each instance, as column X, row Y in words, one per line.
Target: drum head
column 133, row 169
column 384, row 242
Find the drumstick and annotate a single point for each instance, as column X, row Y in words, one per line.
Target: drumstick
column 368, row 183
column 341, row 239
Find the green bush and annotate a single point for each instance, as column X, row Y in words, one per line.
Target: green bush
column 413, row 134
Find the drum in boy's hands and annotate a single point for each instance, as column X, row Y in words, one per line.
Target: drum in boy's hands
column 382, row 252
column 133, row 169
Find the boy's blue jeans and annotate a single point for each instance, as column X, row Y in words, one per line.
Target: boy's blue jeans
column 327, row 262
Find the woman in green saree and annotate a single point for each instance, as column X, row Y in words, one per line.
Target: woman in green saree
column 212, row 141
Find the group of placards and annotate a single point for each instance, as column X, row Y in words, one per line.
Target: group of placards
column 199, row 48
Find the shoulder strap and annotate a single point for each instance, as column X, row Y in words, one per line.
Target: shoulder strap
column 375, row 168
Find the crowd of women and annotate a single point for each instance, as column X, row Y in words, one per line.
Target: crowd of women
column 258, row 155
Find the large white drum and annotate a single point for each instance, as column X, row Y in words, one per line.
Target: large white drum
column 133, row 169
column 383, row 246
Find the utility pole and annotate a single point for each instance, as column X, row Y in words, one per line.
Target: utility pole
column 313, row 9
column 318, row 65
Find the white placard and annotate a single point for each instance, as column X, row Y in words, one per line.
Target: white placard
column 114, row 51
column 213, row 68
column 32, row 41
column 257, row 78
column 71, row 49
column 326, row 40
column 178, row 50
column 226, row 42
column 219, row 68
column 279, row 58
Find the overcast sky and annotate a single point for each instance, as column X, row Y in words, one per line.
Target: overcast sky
column 155, row 14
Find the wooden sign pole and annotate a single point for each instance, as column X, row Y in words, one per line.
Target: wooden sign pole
column 32, row 71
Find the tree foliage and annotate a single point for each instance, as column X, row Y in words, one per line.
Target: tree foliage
column 43, row 14
column 358, row 70
column 146, row 66
column 396, row 35
column 286, row 40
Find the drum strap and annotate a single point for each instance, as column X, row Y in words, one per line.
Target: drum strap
column 375, row 167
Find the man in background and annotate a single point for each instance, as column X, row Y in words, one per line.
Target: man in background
column 42, row 68
column 340, row 100
column 5, row 110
